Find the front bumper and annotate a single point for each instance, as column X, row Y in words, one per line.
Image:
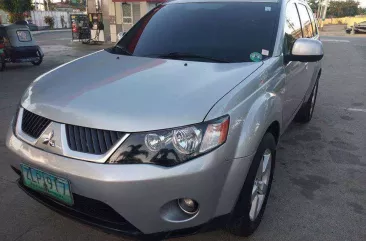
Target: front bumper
column 138, row 192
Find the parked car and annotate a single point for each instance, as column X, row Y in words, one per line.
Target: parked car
column 31, row 26
column 358, row 28
column 175, row 128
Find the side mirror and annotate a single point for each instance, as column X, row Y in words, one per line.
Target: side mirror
column 306, row 50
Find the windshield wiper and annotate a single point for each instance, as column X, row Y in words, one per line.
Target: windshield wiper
column 124, row 50
column 179, row 55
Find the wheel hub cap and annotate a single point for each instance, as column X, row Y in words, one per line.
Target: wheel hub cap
column 260, row 185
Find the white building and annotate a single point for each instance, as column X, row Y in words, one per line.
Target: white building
column 4, row 17
column 39, row 5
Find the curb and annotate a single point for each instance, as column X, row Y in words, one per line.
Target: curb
column 50, row 31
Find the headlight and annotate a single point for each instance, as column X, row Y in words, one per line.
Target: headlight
column 174, row 146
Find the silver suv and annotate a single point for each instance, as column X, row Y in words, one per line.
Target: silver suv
column 175, row 128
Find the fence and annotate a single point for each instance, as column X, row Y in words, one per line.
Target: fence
column 38, row 18
column 346, row 20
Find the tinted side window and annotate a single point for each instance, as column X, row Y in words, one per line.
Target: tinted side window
column 292, row 28
column 307, row 28
column 315, row 27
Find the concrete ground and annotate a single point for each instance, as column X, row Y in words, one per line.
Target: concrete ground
column 319, row 186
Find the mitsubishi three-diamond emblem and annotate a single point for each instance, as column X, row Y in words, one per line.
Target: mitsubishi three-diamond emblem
column 48, row 140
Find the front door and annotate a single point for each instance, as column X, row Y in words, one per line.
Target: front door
column 309, row 31
column 296, row 72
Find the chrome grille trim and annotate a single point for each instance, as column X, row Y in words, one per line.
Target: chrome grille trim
column 66, row 151
column 33, row 124
column 87, row 156
column 91, row 140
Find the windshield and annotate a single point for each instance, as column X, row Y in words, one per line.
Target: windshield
column 217, row 32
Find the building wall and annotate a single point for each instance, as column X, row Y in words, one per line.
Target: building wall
column 113, row 16
column 38, row 18
column 3, row 17
column 346, row 20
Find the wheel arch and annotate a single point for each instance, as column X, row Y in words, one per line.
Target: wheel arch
column 275, row 130
column 265, row 115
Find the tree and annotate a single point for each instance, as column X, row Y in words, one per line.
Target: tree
column 79, row 4
column 343, row 9
column 16, row 8
column 50, row 21
column 48, row 5
column 314, row 4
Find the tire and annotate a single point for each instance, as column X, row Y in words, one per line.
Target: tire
column 305, row 114
column 2, row 64
column 85, row 41
column 244, row 221
column 39, row 62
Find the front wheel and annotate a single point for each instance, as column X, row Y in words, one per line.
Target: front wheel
column 249, row 209
column 40, row 59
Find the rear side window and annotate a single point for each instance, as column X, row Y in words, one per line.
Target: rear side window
column 292, row 28
column 24, row 36
column 307, row 27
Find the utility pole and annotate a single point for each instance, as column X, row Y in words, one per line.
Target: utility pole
column 324, row 15
column 318, row 13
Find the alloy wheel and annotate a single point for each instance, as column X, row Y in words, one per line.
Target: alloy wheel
column 260, row 185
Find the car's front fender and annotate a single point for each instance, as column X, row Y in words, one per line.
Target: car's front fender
column 253, row 106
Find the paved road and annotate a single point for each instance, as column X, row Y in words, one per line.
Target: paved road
column 319, row 187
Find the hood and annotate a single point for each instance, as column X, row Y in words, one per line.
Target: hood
column 131, row 94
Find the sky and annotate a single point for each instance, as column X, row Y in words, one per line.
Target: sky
column 363, row 3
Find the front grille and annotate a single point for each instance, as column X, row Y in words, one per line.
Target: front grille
column 33, row 125
column 92, row 141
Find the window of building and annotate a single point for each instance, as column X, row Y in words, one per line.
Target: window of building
column 127, row 13
column 292, row 28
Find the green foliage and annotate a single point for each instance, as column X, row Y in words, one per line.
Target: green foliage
column 16, row 8
column 362, row 11
column 314, row 4
column 50, row 21
column 49, row 6
column 340, row 9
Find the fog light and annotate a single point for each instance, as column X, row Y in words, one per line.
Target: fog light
column 188, row 205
